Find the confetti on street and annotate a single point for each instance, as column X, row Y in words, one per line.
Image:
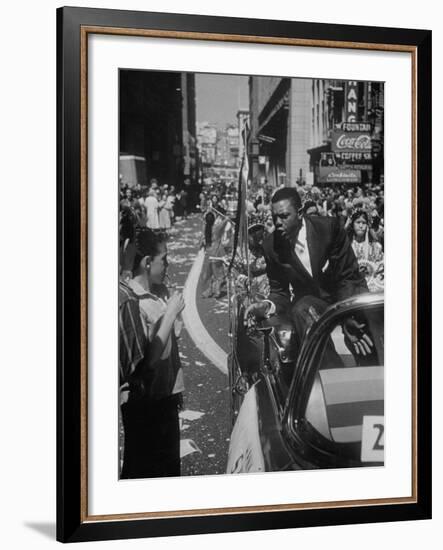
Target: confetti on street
column 191, row 415
column 187, row 447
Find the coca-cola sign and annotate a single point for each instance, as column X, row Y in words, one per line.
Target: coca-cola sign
column 350, row 142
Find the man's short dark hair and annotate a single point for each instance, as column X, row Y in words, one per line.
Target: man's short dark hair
column 287, row 193
column 147, row 243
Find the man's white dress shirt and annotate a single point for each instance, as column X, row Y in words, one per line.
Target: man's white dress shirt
column 302, row 250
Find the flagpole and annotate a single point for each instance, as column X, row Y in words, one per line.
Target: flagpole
column 245, row 187
column 247, row 251
column 242, row 215
column 223, row 215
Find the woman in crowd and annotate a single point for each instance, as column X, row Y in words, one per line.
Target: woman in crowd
column 258, row 202
column 184, row 203
column 214, row 270
column 209, row 219
column 140, row 212
column 170, row 204
column 151, row 205
column 368, row 251
column 152, row 439
column 164, row 217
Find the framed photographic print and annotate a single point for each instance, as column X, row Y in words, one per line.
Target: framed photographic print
column 226, row 249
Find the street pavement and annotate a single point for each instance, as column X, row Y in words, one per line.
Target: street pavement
column 204, row 421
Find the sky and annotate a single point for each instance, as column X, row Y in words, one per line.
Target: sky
column 220, row 96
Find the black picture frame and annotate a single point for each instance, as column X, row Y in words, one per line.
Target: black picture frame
column 72, row 521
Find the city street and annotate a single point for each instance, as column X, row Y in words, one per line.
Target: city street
column 205, row 419
column 230, row 148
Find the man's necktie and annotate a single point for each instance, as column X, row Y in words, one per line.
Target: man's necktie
column 303, row 255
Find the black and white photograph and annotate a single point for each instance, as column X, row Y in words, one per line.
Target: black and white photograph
column 198, row 294
column 251, row 274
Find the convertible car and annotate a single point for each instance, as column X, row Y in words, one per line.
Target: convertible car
column 311, row 406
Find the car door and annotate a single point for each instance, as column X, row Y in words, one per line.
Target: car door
column 259, row 388
column 335, row 411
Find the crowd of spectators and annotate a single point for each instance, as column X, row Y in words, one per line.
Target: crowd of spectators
column 360, row 210
column 155, row 206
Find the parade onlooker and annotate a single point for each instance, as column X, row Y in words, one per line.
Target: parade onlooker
column 140, row 213
column 164, row 217
column 378, row 228
column 178, row 211
column 214, row 273
column 151, row 205
column 223, row 204
column 209, row 223
column 214, row 202
column 258, row 201
column 133, row 353
column 129, row 199
column 155, row 413
column 203, row 202
column 170, row 204
column 133, row 367
column 365, row 246
column 184, row 199
column 368, row 251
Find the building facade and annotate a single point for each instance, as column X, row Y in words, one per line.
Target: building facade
column 219, row 149
column 347, row 138
column 313, row 131
column 280, row 121
column 207, row 142
column 157, row 124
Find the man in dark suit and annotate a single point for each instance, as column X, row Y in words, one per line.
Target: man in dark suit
column 310, row 265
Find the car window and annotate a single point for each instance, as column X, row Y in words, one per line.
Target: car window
column 348, row 383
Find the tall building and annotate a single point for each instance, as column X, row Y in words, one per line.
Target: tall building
column 207, row 142
column 190, row 151
column 233, row 145
column 219, row 148
column 280, row 119
column 315, row 131
column 157, row 126
column 347, row 137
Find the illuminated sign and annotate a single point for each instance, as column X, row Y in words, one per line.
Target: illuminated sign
column 354, row 157
column 354, row 126
column 350, row 142
column 351, row 99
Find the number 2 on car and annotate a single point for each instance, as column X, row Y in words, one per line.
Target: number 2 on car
column 373, row 439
